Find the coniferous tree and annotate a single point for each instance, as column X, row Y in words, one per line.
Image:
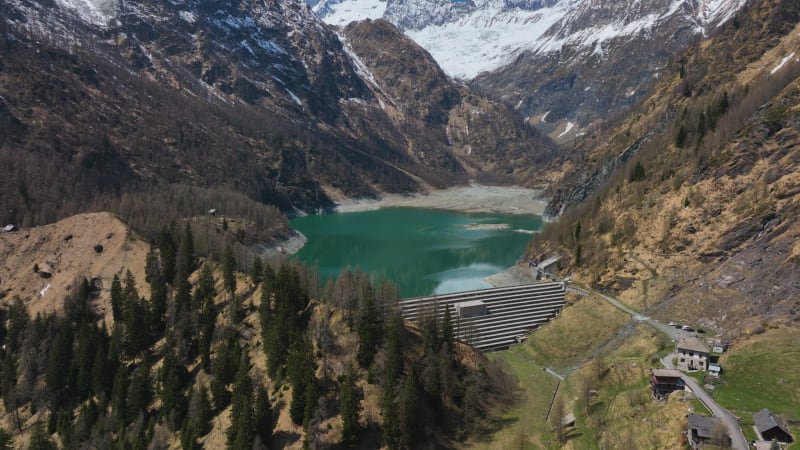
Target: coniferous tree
column 350, row 403
column 135, row 326
column 40, row 440
column 58, row 364
column 224, row 366
column 448, row 334
column 410, row 424
column 394, row 349
column 173, row 376
column 139, row 392
column 8, row 378
column 198, row 418
column 262, row 416
column 300, row 370
column 242, row 431
column 311, row 402
column 6, row 440
column 185, row 259
column 85, row 350
column 116, row 299
column 680, row 138
column 370, row 331
column 168, row 251
column 154, row 276
column 204, row 304
column 18, row 321
column 228, row 270
column 257, row 270
column 391, row 420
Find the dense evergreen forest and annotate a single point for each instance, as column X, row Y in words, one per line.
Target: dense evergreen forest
column 212, row 346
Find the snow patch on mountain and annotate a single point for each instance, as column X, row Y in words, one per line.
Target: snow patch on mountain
column 470, row 38
column 96, row 12
column 487, row 38
column 781, row 64
column 345, row 12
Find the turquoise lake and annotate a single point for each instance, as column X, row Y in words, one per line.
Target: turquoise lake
column 423, row 251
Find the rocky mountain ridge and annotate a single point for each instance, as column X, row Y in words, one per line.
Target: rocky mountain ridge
column 688, row 208
column 263, row 97
column 576, row 61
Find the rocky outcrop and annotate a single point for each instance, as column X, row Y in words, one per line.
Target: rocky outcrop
column 448, row 126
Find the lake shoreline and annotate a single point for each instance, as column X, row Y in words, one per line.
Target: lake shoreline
column 472, row 198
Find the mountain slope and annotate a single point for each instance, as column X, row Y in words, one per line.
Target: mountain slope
column 453, row 120
column 579, row 60
column 692, row 203
column 261, row 97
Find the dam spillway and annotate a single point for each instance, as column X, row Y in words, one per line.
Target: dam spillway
column 491, row 319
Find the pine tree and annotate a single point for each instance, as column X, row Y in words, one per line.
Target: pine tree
column 173, row 377
column 310, row 401
column 370, row 331
column 156, row 316
column 168, row 251
column 680, row 138
column 139, row 392
column 242, row 431
column 135, row 338
column 199, row 414
column 185, row 260
column 391, row 420
column 257, row 270
column 448, row 334
column 6, row 440
column 350, row 404
column 40, row 440
column 116, row 299
column 300, row 370
column 228, row 270
column 410, row 425
column 58, row 364
column 8, row 378
column 262, row 416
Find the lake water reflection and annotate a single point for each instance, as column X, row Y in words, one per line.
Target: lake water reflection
column 423, row 251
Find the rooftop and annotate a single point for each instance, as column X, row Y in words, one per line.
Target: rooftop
column 666, row 373
column 694, row 345
column 764, row 420
column 704, row 425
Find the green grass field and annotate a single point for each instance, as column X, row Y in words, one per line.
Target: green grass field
column 523, row 426
column 763, row 372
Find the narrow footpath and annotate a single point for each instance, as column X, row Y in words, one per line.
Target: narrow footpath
column 738, row 440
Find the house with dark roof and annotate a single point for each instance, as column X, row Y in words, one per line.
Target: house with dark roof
column 664, row 382
column 771, row 428
column 706, row 429
column 693, row 354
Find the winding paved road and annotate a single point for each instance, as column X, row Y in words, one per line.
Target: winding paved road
column 738, row 440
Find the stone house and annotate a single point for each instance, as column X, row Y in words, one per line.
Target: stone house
column 693, row 354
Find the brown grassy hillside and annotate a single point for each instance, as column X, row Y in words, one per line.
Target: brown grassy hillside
column 65, row 252
column 699, row 221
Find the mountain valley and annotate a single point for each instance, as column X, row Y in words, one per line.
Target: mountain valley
column 152, row 152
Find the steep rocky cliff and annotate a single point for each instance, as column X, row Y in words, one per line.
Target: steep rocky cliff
column 107, row 97
column 565, row 64
column 690, row 206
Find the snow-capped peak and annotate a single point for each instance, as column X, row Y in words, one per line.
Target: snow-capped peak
column 467, row 38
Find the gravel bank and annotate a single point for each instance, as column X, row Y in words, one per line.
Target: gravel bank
column 472, row 198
